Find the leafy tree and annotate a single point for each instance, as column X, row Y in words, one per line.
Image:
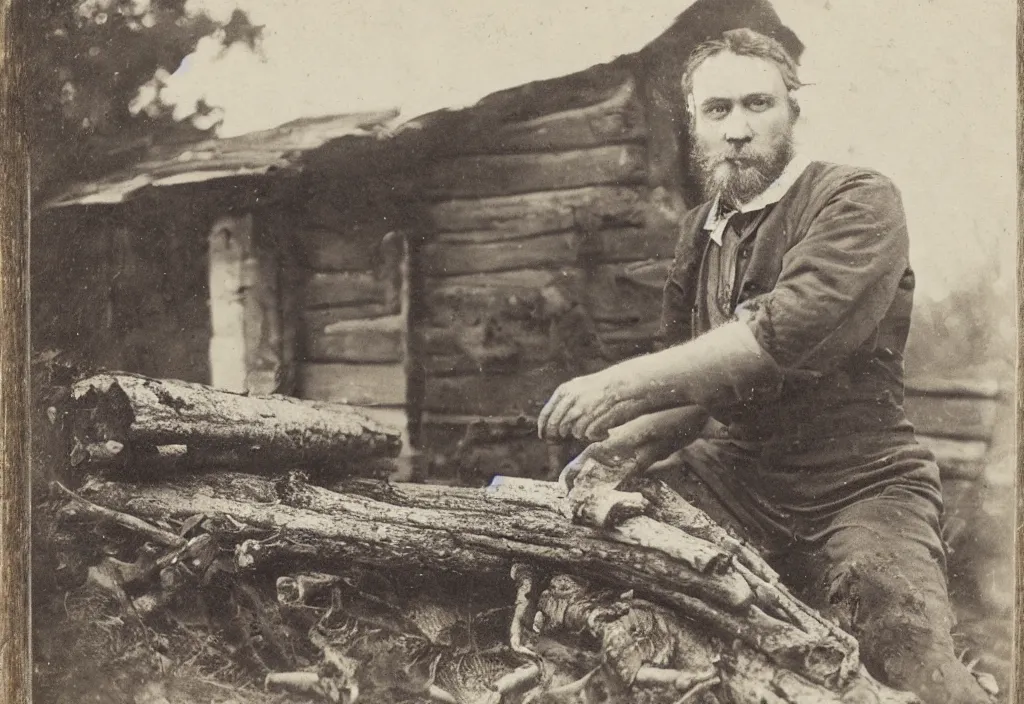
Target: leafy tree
column 85, row 63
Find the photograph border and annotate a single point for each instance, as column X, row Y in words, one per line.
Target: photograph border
column 15, row 603
column 15, row 659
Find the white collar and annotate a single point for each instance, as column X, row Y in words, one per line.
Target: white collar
column 716, row 223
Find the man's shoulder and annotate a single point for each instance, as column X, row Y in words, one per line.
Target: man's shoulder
column 827, row 175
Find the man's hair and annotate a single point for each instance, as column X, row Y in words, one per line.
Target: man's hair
column 744, row 42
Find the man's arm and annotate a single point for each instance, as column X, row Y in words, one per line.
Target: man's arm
column 835, row 287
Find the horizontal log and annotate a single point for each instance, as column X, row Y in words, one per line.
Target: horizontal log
column 516, row 295
column 537, row 213
column 508, row 345
column 618, row 118
column 166, row 424
column 322, row 321
column 346, row 288
column 446, row 258
column 524, row 392
column 606, row 292
column 569, row 344
column 612, row 295
column 962, row 418
column 957, row 459
column 472, row 537
column 477, row 176
column 353, row 213
column 355, row 384
column 554, row 250
column 963, row 388
column 520, row 279
column 633, row 244
column 375, row 340
column 330, row 251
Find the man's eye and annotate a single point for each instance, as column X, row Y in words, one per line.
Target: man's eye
column 759, row 104
column 716, row 111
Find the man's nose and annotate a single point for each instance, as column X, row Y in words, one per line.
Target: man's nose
column 737, row 128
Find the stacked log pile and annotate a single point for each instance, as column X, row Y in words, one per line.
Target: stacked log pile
column 262, row 563
column 546, row 259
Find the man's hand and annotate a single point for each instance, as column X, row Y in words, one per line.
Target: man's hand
column 622, row 455
column 592, row 479
column 591, row 482
column 588, row 406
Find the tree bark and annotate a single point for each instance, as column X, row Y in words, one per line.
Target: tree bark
column 121, row 421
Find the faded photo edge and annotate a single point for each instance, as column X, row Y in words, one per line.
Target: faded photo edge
column 15, row 645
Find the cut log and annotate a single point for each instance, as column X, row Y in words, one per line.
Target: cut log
column 355, row 384
column 478, row 176
column 210, row 428
column 339, row 530
column 531, row 214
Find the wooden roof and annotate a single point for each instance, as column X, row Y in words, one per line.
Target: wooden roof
column 280, row 150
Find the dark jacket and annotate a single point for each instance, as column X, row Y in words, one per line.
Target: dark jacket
column 825, row 285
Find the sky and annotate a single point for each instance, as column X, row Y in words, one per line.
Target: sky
column 922, row 90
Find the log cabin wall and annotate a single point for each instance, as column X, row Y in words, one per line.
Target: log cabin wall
column 352, row 301
column 546, row 260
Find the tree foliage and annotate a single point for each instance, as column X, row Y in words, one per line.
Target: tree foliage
column 85, row 63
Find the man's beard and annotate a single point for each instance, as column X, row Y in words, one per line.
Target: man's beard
column 740, row 175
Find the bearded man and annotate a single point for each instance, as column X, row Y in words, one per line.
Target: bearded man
column 779, row 400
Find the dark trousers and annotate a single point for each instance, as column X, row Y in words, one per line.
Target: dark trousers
column 874, row 564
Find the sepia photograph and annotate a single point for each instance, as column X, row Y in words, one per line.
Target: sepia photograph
column 466, row 352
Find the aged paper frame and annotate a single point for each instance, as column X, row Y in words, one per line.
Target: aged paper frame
column 15, row 661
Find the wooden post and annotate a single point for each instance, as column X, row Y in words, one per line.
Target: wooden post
column 245, row 317
column 230, row 242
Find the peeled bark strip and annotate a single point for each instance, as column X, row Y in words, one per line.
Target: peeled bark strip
column 165, row 425
column 647, row 645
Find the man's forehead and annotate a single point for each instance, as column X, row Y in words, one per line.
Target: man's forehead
column 728, row 75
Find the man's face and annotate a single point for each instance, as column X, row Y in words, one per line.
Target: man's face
column 742, row 126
